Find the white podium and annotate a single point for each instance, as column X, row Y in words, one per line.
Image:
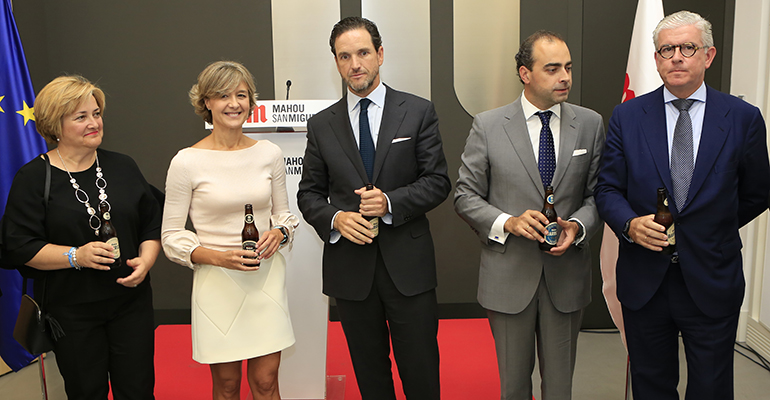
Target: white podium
column 303, row 366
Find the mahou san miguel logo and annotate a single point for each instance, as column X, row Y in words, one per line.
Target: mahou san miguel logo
column 273, row 114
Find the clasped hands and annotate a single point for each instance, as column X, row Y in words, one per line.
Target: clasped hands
column 355, row 226
column 531, row 225
column 241, row 260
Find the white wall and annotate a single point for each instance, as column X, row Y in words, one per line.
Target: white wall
column 751, row 46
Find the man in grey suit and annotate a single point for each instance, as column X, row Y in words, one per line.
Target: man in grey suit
column 534, row 299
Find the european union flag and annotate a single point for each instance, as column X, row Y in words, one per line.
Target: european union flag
column 19, row 143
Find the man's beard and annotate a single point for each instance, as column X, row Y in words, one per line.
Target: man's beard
column 365, row 85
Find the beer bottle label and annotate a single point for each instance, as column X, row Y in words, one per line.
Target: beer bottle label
column 106, row 216
column 551, row 234
column 549, row 199
column 249, row 218
column 249, row 245
column 671, row 236
column 665, row 202
column 115, row 246
column 375, row 226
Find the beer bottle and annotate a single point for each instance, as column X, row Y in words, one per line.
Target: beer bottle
column 663, row 216
column 249, row 234
column 552, row 234
column 108, row 234
column 374, row 220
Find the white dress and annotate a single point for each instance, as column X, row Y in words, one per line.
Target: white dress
column 236, row 315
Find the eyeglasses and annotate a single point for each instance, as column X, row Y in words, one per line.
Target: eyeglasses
column 687, row 49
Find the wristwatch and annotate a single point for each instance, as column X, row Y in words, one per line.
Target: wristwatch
column 285, row 234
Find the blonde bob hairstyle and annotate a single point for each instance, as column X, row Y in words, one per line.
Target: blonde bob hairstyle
column 219, row 78
column 61, row 97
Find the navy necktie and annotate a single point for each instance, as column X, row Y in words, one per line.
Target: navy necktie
column 366, row 144
column 546, row 160
column 682, row 157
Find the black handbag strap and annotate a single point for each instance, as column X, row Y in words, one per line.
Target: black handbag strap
column 46, row 195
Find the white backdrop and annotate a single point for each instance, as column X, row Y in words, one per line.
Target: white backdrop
column 303, row 366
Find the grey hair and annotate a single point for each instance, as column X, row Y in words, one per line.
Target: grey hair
column 685, row 18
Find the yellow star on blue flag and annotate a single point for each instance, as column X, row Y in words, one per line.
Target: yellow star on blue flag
column 27, row 113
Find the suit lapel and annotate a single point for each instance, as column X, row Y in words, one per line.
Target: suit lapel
column 653, row 127
column 567, row 139
column 712, row 139
column 516, row 129
column 340, row 125
column 392, row 116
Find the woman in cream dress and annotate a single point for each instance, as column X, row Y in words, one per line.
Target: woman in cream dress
column 239, row 305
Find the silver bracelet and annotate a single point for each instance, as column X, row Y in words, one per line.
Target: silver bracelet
column 74, row 261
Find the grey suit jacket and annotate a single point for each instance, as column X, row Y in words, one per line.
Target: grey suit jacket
column 499, row 174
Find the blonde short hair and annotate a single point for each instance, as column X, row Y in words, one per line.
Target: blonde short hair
column 61, row 97
column 221, row 77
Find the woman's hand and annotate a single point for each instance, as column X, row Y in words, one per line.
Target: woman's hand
column 269, row 242
column 240, row 260
column 95, row 255
column 140, row 272
column 148, row 253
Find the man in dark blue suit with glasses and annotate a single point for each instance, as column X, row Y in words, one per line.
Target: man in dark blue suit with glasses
column 708, row 149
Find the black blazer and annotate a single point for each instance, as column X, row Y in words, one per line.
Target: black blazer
column 412, row 172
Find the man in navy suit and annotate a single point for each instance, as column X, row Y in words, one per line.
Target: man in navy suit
column 708, row 150
column 385, row 284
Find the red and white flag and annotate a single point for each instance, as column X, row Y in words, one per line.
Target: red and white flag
column 641, row 77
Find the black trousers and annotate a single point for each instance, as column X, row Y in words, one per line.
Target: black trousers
column 652, row 335
column 411, row 322
column 108, row 342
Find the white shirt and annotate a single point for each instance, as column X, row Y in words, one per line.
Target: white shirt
column 377, row 96
column 697, row 112
column 534, row 125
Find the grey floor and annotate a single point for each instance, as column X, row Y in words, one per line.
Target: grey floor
column 600, row 374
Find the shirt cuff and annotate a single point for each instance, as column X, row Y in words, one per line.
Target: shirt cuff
column 497, row 233
column 388, row 218
column 582, row 232
column 335, row 236
column 626, row 227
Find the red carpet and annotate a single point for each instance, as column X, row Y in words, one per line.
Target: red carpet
column 468, row 363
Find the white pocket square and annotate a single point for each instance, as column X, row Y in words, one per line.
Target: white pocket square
column 400, row 139
column 579, row 152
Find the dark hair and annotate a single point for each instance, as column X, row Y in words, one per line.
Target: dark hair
column 524, row 56
column 351, row 23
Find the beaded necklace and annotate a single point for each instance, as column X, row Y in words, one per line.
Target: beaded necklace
column 101, row 184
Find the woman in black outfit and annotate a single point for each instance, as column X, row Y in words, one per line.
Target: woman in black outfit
column 106, row 313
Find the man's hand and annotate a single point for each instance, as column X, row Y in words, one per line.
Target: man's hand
column 353, row 227
column 530, row 224
column 569, row 231
column 373, row 202
column 648, row 233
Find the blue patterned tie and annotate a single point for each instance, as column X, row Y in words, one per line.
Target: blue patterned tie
column 682, row 160
column 366, row 144
column 546, row 160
